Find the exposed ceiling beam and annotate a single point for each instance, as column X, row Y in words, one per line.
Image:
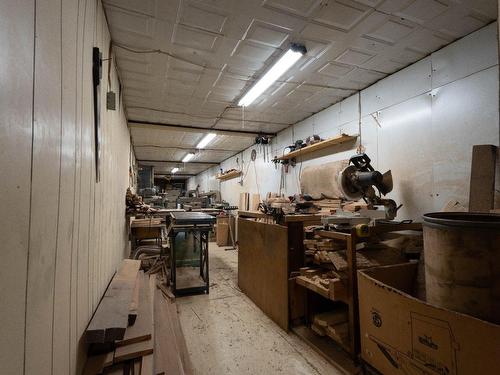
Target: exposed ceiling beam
column 194, row 149
column 177, row 161
column 196, row 129
column 175, row 175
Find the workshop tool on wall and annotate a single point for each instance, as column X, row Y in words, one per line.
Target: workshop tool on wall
column 358, row 180
column 262, row 142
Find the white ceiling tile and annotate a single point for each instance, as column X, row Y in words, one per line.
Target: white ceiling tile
column 354, row 57
column 200, row 17
column 334, row 69
column 344, row 16
column 302, row 8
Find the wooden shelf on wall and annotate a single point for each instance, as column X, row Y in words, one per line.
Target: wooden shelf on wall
column 343, row 138
column 228, row 176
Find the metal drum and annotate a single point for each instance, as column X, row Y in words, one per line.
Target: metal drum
column 462, row 262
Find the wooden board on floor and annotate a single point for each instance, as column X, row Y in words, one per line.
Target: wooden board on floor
column 482, row 178
column 143, row 326
column 170, row 351
column 263, row 267
column 147, row 365
column 111, row 317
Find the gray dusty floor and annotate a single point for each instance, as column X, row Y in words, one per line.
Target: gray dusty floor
column 227, row 334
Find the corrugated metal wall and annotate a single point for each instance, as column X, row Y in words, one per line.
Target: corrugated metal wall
column 62, row 234
column 420, row 122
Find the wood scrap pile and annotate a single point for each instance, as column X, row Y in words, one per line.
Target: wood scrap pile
column 135, row 205
column 131, row 331
column 333, row 324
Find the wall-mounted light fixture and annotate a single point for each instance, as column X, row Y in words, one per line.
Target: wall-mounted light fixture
column 174, row 170
column 285, row 62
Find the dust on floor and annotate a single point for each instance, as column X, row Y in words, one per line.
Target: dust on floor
column 227, row 334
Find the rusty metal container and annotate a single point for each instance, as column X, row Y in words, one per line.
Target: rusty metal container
column 462, row 262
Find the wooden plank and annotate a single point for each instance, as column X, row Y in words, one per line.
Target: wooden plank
column 147, row 367
column 143, row 326
column 252, row 214
column 244, row 199
column 254, row 203
column 111, row 317
column 166, row 349
column 134, row 350
column 343, row 138
column 482, row 178
column 134, row 302
column 263, row 267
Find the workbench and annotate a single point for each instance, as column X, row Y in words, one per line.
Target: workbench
column 268, row 253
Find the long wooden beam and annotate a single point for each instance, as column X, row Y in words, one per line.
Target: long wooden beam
column 196, row 129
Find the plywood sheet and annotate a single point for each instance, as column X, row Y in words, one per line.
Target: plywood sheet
column 263, row 267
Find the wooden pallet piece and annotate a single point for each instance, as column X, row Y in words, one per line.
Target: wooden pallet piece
column 110, row 320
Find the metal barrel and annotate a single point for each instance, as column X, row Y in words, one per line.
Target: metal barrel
column 462, row 262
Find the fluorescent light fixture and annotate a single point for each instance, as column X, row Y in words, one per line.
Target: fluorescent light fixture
column 174, row 170
column 188, row 157
column 294, row 53
column 206, row 140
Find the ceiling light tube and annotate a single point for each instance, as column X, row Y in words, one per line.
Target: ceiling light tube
column 294, row 53
column 174, row 170
column 206, row 140
column 188, row 157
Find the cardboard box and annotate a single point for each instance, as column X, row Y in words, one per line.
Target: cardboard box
column 402, row 335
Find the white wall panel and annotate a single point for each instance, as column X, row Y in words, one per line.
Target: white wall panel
column 44, row 189
column 16, row 98
column 425, row 140
column 65, row 233
column 464, row 113
column 468, row 55
column 398, row 87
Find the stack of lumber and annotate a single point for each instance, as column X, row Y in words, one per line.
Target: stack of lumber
column 333, row 324
column 152, row 340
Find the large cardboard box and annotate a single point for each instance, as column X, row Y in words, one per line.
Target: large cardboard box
column 403, row 335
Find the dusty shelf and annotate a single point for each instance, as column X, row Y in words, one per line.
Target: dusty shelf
column 319, row 146
column 228, row 176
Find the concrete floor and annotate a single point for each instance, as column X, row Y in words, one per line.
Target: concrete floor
column 227, row 334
